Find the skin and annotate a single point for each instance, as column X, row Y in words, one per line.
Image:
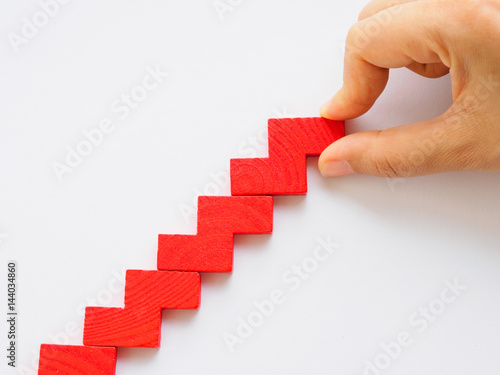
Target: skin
column 431, row 38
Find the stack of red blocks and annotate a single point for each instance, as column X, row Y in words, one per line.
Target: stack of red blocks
column 176, row 284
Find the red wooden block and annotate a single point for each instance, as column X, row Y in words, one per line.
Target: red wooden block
column 219, row 218
column 236, row 215
column 200, row 252
column 146, row 294
column 284, row 171
column 76, row 360
column 105, row 326
column 162, row 289
column 280, row 175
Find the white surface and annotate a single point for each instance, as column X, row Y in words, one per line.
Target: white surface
column 399, row 241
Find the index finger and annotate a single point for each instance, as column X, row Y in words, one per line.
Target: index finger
column 392, row 38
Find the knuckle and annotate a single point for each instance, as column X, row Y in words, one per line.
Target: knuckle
column 473, row 139
column 353, row 31
column 467, row 12
column 472, row 7
column 352, row 36
column 471, row 11
column 466, row 157
column 392, row 167
column 390, row 164
column 365, row 12
column 472, row 146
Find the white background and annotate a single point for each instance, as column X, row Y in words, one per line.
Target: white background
column 399, row 241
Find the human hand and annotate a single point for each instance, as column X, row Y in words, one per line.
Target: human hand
column 432, row 38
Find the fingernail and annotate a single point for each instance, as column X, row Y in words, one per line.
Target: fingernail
column 336, row 168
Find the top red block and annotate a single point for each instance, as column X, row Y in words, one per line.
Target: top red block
column 291, row 140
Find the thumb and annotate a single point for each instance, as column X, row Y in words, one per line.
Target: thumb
column 422, row 148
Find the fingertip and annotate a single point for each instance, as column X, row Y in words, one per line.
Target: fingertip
column 334, row 109
column 365, row 12
column 342, row 107
column 332, row 162
column 351, row 151
column 326, row 110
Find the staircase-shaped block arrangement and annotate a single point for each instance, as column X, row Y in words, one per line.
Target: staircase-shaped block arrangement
column 284, row 171
column 181, row 257
column 138, row 323
column 219, row 218
column 76, row 360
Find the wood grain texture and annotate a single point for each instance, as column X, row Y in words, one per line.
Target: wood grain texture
column 200, row 252
column 235, row 215
column 162, row 289
column 248, row 210
column 284, row 170
column 76, row 360
column 138, row 323
column 111, row 326
column 219, row 218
